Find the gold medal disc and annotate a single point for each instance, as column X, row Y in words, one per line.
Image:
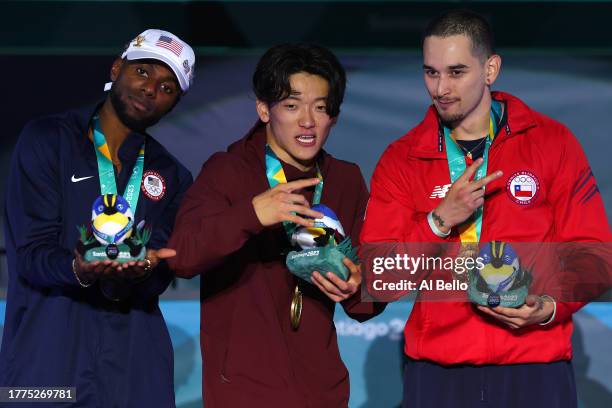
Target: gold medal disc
column 296, row 308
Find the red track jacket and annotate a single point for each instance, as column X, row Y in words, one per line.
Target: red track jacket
column 409, row 181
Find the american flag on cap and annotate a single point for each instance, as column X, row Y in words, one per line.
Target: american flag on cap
column 170, row 43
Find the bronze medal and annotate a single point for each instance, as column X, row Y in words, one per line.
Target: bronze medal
column 296, row 308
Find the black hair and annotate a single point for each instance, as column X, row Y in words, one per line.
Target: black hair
column 464, row 22
column 271, row 77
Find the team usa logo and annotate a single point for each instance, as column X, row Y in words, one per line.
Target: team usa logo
column 523, row 187
column 153, row 185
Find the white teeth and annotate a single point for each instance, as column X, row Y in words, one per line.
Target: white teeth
column 305, row 139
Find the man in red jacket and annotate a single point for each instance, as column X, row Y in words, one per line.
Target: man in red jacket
column 461, row 354
column 257, row 349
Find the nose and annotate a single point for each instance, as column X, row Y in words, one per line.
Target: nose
column 149, row 88
column 442, row 86
column 306, row 118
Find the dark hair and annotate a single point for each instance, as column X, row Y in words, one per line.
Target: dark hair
column 464, row 22
column 271, row 77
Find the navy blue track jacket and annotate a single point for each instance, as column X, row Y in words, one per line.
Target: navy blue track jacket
column 57, row 333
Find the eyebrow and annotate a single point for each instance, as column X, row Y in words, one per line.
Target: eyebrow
column 450, row 67
column 168, row 78
column 296, row 96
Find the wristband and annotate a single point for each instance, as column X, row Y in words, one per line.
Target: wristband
column 76, row 275
column 552, row 317
column 434, row 227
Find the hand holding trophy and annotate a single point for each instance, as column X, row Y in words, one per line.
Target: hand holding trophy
column 112, row 235
column 323, row 247
column 112, row 248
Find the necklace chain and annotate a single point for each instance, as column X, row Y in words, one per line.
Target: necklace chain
column 468, row 153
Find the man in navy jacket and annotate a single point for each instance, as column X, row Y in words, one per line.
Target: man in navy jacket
column 64, row 327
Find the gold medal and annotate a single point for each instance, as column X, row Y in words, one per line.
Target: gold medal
column 296, row 308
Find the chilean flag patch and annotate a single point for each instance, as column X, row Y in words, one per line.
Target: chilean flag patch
column 523, row 190
column 522, row 187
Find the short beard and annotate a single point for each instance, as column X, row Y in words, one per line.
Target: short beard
column 451, row 121
column 136, row 125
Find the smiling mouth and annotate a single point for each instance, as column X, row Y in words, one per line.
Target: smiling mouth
column 306, row 140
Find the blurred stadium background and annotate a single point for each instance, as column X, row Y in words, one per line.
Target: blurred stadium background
column 557, row 56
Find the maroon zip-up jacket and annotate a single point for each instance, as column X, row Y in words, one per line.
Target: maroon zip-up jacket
column 251, row 355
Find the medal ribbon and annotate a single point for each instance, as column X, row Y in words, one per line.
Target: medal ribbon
column 276, row 175
column 106, row 171
column 469, row 231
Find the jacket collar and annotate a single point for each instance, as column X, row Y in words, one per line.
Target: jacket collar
column 426, row 140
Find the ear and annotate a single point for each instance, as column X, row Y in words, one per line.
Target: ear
column 334, row 120
column 263, row 110
column 116, row 68
column 492, row 69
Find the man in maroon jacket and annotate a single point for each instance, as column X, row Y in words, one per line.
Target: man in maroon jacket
column 230, row 231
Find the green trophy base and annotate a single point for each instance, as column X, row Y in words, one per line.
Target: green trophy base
column 480, row 293
column 123, row 255
column 322, row 259
column 132, row 249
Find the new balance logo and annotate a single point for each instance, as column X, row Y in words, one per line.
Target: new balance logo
column 440, row 191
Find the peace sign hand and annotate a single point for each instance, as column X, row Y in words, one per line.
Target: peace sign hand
column 463, row 198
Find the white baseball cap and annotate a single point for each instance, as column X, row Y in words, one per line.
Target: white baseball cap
column 165, row 47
